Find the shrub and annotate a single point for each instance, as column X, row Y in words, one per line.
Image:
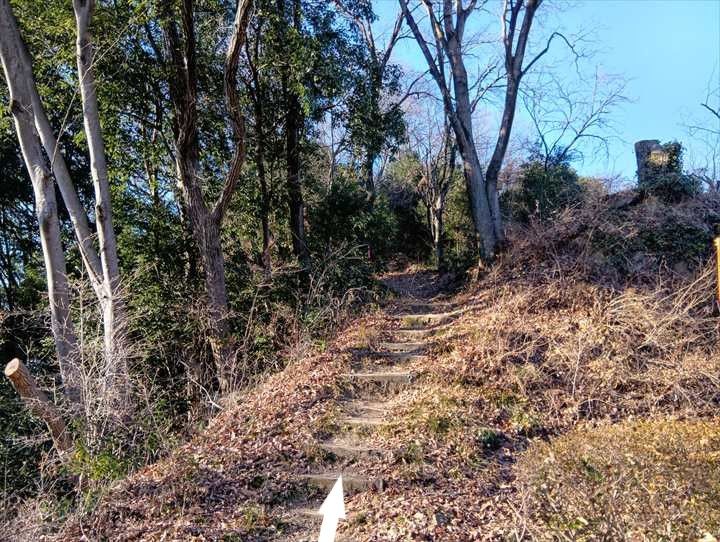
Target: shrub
column 344, row 216
column 545, row 186
column 460, row 244
column 665, row 179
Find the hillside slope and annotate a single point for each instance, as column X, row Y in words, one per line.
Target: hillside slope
column 563, row 395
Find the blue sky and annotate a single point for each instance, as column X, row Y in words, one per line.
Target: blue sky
column 668, row 50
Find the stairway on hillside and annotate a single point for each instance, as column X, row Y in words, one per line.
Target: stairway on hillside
column 373, row 383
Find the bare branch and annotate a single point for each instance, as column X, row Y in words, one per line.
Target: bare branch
column 715, row 112
column 544, row 51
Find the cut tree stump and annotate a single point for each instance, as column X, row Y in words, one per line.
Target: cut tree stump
column 38, row 403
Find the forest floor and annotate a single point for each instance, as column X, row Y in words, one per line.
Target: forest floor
column 543, row 401
column 366, row 408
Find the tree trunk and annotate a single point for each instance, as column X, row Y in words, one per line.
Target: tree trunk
column 114, row 318
column 294, row 186
column 438, row 232
column 293, row 128
column 514, row 59
column 479, row 205
column 206, row 222
column 493, row 170
column 265, row 220
column 206, row 234
column 102, row 270
column 221, row 340
column 370, row 177
column 264, row 192
column 463, row 127
column 12, row 54
column 22, row 71
column 38, row 403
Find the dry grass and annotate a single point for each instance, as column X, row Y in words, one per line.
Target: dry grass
column 562, row 338
column 575, row 350
column 637, row 480
column 575, row 400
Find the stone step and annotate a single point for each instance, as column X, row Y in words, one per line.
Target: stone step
column 310, row 514
column 351, row 483
column 313, row 513
column 413, row 334
column 375, row 362
column 366, row 408
column 426, row 307
column 361, row 422
column 385, row 377
column 417, row 321
column 347, row 449
column 401, row 347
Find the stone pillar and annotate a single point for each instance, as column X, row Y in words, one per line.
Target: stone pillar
column 643, row 149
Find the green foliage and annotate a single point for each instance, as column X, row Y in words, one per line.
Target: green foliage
column 546, row 185
column 489, row 439
column 677, row 241
column 662, row 234
column 344, row 216
column 460, row 241
column 399, row 188
column 104, row 465
column 665, row 178
column 19, row 457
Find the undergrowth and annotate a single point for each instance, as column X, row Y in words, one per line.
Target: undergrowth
column 574, row 397
column 637, row 480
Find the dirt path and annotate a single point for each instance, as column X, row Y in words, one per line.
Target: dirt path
column 261, row 470
column 376, row 376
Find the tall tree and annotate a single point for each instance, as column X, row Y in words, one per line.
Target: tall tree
column 12, row 53
column 435, row 146
column 305, row 67
column 113, row 306
column 206, row 220
column 289, row 32
column 259, row 85
column 36, row 135
column 448, row 20
column 572, row 118
column 373, row 124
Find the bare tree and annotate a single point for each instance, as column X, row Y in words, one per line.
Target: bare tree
column 705, row 162
column 570, row 118
column 433, row 142
column 333, row 138
column 112, row 305
column 206, row 220
column 448, row 21
column 15, row 66
column 36, row 134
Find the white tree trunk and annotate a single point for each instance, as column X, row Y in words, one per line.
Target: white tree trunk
column 438, row 231
column 23, row 72
column 112, row 305
column 11, row 51
column 102, row 270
